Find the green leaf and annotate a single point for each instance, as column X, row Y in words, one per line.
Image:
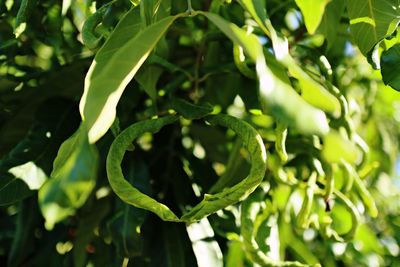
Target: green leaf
column 148, row 77
column 86, row 229
column 330, row 23
column 89, row 36
column 211, row 203
column 125, row 226
column 390, row 67
column 257, row 11
column 12, row 190
column 369, row 240
column 235, row 256
column 371, row 21
column 252, row 208
column 23, row 170
column 336, row 148
column 235, row 162
column 72, row 179
column 28, row 220
column 312, row 11
column 122, row 187
column 363, row 192
column 114, row 66
column 24, row 12
column 354, row 214
column 154, row 10
column 278, row 97
column 174, row 245
column 190, row 111
column 312, row 91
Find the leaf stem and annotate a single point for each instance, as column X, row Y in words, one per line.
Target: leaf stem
column 190, row 9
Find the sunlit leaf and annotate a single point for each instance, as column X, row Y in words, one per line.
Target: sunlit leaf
column 336, row 149
column 372, row 20
column 72, row 179
column 211, row 202
column 126, row 50
column 278, row 97
column 313, row 11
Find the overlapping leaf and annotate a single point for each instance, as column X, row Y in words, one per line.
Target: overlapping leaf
column 211, row 202
column 72, row 179
column 371, row 21
column 278, row 97
column 126, row 50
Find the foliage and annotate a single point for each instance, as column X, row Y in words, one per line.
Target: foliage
column 212, row 133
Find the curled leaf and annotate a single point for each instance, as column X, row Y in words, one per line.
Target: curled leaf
column 212, row 202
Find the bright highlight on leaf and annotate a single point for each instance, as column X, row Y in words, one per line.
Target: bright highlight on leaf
column 72, row 179
column 30, row 173
column 312, row 11
column 122, row 51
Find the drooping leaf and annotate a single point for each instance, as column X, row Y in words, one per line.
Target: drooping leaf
column 23, row 242
column 278, row 97
column 125, row 50
column 72, row 179
column 252, row 207
column 210, row 203
column 371, row 21
column 390, row 67
column 363, row 192
column 368, row 239
column 313, row 11
column 312, row 91
column 123, row 188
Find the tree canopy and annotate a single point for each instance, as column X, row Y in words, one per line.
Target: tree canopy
column 199, row 133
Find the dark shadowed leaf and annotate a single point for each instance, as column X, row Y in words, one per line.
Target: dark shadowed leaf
column 390, row 67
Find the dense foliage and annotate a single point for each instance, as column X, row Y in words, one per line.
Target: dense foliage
column 205, row 133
